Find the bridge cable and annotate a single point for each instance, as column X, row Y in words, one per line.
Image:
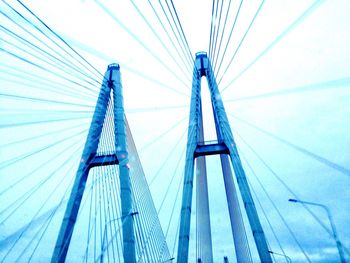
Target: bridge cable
column 58, row 36
column 42, row 66
column 81, row 208
column 39, row 66
column 38, row 211
column 179, row 41
column 229, row 38
column 154, row 109
column 42, row 84
column 300, row 149
column 104, row 56
column 267, row 220
column 289, row 29
column 54, row 87
column 32, row 172
column 158, row 38
column 139, row 41
column 182, row 31
column 257, row 199
column 324, row 85
column 215, row 58
column 216, row 35
column 183, row 58
column 41, row 51
column 25, row 196
column 46, row 35
column 47, row 220
column 42, row 135
column 18, row 158
column 171, row 181
column 160, row 136
column 286, row 186
column 43, row 100
column 90, row 214
column 143, row 192
column 171, row 152
column 149, row 224
column 211, row 27
column 242, row 39
column 143, row 208
column 116, row 208
column 40, row 40
column 294, row 195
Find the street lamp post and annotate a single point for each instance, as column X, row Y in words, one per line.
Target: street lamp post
column 278, row 254
column 334, row 231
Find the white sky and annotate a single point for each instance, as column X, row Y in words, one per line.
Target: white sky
column 314, row 51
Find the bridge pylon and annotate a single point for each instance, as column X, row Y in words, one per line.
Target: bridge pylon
column 90, row 158
column 225, row 146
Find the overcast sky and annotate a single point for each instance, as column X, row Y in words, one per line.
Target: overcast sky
column 298, row 46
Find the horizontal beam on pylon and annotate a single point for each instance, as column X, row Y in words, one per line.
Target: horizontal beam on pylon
column 103, row 160
column 211, row 149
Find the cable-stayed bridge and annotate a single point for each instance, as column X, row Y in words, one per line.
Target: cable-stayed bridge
column 54, row 123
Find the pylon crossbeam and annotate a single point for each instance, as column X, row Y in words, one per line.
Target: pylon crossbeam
column 103, row 160
column 211, row 149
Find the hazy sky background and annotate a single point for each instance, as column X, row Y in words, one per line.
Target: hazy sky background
column 309, row 57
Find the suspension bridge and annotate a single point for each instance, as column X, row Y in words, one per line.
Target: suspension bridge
column 98, row 168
